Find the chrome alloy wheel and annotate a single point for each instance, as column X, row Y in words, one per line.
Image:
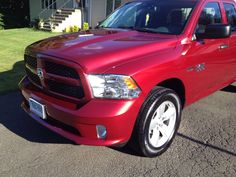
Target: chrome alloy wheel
column 162, row 124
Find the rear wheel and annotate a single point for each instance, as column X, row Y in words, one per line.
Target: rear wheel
column 157, row 123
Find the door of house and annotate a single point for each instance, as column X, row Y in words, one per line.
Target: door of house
column 84, row 6
column 48, row 4
column 111, row 5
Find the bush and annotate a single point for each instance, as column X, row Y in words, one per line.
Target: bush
column 85, row 26
column 1, row 22
column 76, row 28
column 40, row 23
column 71, row 29
column 67, row 29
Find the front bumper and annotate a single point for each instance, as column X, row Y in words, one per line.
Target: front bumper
column 118, row 116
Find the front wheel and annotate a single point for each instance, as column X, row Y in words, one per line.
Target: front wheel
column 158, row 122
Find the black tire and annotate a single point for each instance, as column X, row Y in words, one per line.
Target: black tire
column 140, row 137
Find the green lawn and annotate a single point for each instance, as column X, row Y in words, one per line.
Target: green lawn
column 12, row 45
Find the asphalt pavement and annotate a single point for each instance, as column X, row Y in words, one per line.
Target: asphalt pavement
column 204, row 147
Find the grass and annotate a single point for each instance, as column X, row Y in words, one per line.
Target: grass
column 12, row 45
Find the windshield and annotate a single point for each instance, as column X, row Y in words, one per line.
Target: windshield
column 163, row 16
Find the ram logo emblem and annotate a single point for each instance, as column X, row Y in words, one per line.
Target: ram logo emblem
column 40, row 73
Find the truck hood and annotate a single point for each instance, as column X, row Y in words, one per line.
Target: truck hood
column 99, row 50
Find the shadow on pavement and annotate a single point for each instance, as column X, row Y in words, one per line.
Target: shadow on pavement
column 230, row 88
column 128, row 150
column 17, row 121
column 10, row 78
column 206, row 144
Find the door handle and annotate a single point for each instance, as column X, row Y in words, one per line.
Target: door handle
column 224, row 46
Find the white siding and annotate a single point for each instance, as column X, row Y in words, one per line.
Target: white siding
column 124, row 1
column 35, row 9
column 98, row 12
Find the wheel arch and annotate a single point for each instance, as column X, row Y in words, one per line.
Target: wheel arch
column 177, row 85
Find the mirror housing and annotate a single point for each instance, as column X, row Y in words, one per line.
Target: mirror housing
column 215, row 31
column 98, row 24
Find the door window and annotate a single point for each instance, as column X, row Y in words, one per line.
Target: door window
column 211, row 14
column 231, row 15
column 48, row 4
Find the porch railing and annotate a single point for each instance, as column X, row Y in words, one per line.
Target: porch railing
column 49, row 11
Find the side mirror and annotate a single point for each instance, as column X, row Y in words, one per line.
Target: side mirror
column 98, row 24
column 215, row 31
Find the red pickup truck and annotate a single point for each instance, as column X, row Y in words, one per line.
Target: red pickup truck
column 129, row 79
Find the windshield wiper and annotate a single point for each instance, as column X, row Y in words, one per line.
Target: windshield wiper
column 126, row 27
column 145, row 30
column 138, row 29
column 102, row 26
column 134, row 28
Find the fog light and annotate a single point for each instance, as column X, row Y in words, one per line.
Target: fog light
column 101, row 131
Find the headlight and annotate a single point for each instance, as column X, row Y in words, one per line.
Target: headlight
column 113, row 86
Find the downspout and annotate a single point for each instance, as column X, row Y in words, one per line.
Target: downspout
column 82, row 12
column 90, row 12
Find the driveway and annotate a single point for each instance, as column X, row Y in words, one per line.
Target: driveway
column 205, row 146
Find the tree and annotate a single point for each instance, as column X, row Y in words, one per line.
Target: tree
column 1, row 22
column 16, row 13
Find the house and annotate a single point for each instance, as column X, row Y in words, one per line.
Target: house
column 57, row 14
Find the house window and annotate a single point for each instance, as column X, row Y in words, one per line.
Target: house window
column 112, row 5
column 48, row 4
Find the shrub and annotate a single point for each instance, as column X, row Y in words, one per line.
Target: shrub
column 76, row 28
column 67, row 29
column 40, row 23
column 85, row 26
column 1, row 22
column 71, row 29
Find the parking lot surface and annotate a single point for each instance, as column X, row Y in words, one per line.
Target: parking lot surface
column 205, row 146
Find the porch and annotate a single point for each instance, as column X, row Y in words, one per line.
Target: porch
column 74, row 12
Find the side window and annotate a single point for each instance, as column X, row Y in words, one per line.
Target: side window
column 231, row 15
column 211, row 14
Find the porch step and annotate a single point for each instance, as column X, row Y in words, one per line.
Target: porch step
column 63, row 13
column 47, row 25
column 61, row 19
column 56, row 21
column 58, row 18
column 67, row 10
column 46, row 28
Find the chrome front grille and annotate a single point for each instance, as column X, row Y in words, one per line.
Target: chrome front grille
column 33, row 77
column 31, row 61
column 58, row 79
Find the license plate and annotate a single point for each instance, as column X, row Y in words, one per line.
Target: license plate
column 37, row 108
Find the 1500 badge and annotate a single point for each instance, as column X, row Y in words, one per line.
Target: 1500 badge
column 197, row 68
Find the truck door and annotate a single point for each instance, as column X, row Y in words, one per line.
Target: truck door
column 231, row 18
column 206, row 57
